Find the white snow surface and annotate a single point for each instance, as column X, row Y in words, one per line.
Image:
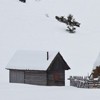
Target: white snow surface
column 31, row 60
column 32, row 26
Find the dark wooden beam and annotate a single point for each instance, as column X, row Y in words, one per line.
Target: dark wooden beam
column 23, row 1
column 47, row 55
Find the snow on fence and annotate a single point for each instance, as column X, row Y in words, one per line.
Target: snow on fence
column 84, row 82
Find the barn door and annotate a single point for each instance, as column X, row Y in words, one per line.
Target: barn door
column 55, row 78
column 59, row 78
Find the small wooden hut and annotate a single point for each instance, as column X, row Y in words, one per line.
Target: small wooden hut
column 96, row 68
column 38, row 68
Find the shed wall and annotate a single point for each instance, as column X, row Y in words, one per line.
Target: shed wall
column 28, row 77
column 36, row 77
column 56, row 72
column 16, row 76
column 56, row 78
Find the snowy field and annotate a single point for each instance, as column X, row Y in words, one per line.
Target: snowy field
column 32, row 26
column 30, row 92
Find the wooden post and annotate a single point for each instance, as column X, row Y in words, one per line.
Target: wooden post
column 47, row 55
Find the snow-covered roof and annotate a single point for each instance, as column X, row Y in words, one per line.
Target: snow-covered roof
column 97, row 63
column 31, row 60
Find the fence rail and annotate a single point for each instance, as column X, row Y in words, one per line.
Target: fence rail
column 84, row 82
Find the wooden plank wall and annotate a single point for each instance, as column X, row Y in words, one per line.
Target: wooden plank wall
column 28, row 77
column 36, row 77
column 16, row 76
column 56, row 70
column 56, row 78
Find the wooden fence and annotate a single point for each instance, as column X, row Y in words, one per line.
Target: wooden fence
column 84, row 82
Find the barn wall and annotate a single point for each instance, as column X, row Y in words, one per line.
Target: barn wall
column 56, row 78
column 28, row 77
column 16, row 76
column 56, row 72
column 36, row 77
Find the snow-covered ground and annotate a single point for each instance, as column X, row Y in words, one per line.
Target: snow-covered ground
column 32, row 26
column 30, row 92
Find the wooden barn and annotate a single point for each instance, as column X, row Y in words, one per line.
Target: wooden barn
column 38, row 68
column 96, row 68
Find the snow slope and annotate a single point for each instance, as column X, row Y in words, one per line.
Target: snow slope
column 33, row 26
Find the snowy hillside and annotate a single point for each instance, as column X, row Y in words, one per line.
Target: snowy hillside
column 32, row 25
